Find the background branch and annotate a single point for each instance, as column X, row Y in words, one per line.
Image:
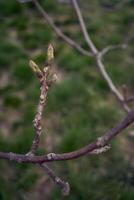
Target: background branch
column 64, row 186
column 111, row 47
column 83, row 28
column 129, row 100
column 97, row 57
column 57, row 30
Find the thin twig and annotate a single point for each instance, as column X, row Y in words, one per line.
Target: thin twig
column 83, row 28
column 46, row 79
column 112, row 87
column 129, row 100
column 124, row 92
column 57, row 30
column 111, row 47
column 44, row 82
column 42, row 102
column 64, row 186
column 97, row 57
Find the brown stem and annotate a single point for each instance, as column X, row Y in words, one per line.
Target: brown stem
column 100, row 142
column 44, row 82
column 38, row 117
column 64, row 186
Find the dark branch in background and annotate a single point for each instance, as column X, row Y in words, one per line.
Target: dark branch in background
column 129, row 100
column 24, row 1
column 111, row 47
column 67, row 39
column 120, row 4
column 83, row 28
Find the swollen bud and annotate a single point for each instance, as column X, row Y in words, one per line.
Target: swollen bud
column 50, row 52
column 34, row 67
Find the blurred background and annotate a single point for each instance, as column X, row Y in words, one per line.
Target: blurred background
column 80, row 106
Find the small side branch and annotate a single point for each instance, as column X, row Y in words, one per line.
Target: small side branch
column 98, row 55
column 127, row 98
column 57, row 30
column 130, row 100
column 64, row 186
column 111, row 47
column 114, row 90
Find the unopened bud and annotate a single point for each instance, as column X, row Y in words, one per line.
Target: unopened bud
column 50, row 52
column 34, row 67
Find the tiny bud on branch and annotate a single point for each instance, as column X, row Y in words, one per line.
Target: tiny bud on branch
column 34, row 67
column 50, row 53
column 101, row 150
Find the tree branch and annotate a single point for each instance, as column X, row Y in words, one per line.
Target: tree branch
column 57, row 30
column 129, row 100
column 99, row 143
column 112, row 87
column 111, row 47
column 44, row 82
column 67, row 39
column 97, row 55
column 64, row 186
column 83, row 28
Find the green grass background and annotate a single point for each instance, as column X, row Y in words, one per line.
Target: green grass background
column 79, row 108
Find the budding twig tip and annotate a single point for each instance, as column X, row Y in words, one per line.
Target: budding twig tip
column 50, row 52
column 34, row 67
